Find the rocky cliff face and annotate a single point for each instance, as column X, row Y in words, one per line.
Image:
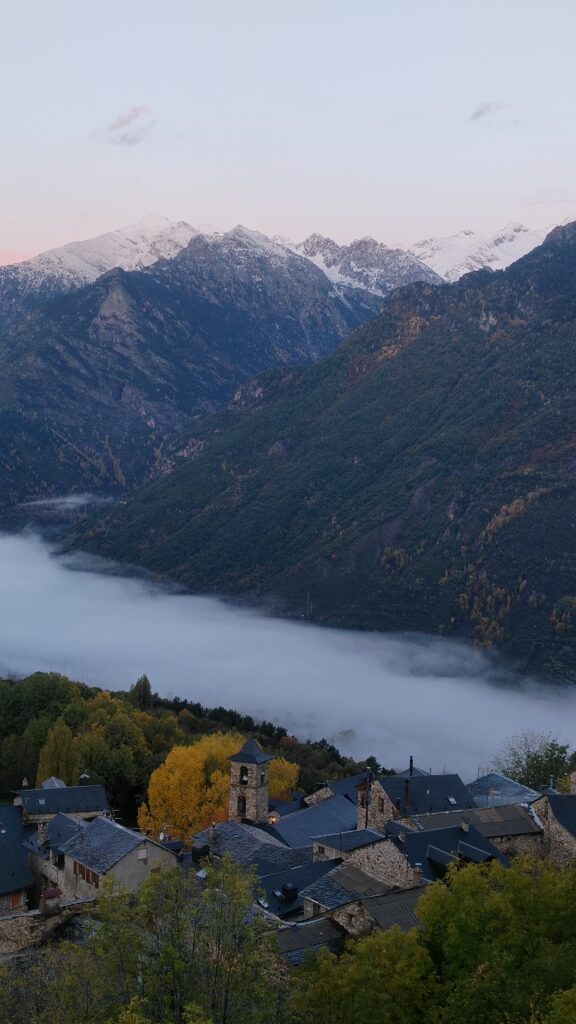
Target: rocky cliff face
column 420, row 477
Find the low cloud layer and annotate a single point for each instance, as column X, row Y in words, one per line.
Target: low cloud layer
column 390, row 696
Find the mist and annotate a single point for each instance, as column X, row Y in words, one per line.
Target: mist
column 386, row 695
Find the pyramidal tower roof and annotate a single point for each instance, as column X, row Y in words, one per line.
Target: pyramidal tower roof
column 251, row 753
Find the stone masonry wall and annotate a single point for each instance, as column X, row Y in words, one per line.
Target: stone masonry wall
column 559, row 845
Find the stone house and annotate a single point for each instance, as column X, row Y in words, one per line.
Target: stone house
column 512, row 828
column 77, row 855
column 400, row 796
column 557, row 812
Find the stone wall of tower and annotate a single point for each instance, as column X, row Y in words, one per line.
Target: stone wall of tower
column 248, row 792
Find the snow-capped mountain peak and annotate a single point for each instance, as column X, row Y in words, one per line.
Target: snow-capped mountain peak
column 455, row 255
column 365, row 263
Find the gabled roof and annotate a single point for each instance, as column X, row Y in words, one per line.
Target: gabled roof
column 272, row 884
column 15, row 874
column 248, row 844
column 435, row 849
column 347, row 786
column 426, row 793
column 251, row 753
column 493, row 789
column 353, row 840
column 344, row 884
column 395, row 908
column 335, row 814
column 491, row 822
column 563, row 807
column 69, row 799
column 101, row 843
column 297, row 941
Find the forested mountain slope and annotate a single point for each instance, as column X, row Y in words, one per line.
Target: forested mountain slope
column 420, row 477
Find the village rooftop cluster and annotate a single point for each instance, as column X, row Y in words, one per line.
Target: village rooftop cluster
column 351, row 857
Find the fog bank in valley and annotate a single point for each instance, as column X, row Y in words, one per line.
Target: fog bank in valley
column 390, row 696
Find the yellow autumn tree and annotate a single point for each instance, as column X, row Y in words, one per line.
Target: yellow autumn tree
column 190, row 789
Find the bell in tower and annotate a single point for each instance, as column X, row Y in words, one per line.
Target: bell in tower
column 249, row 784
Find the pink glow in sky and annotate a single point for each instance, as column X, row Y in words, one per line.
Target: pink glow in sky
column 395, row 120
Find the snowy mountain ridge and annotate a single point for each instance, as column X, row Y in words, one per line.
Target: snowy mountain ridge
column 77, row 263
column 454, row 255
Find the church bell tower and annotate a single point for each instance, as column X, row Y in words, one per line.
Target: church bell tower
column 249, row 784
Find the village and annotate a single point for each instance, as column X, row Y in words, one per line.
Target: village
column 348, row 859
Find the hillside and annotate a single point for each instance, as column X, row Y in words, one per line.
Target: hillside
column 420, row 477
column 95, row 384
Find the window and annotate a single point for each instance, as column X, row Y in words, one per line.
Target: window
column 321, row 851
column 242, row 805
column 263, row 777
column 362, row 799
column 381, row 804
column 243, row 775
column 89, row 876
column 452, row 800
column 142, row 853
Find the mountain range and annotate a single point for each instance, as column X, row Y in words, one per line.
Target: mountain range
column 95, row 384
column 421, row 476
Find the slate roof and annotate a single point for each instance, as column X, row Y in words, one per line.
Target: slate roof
column 15, row 874
column 426, row 793
column 299, row 877
column 435, row 849
column 347, row 841
column 491, row 822
column 284, row 807
column 297, row 941
column 68, row 799
column 343, row 884
column 335, row 814
column 251, row 753
column 395, row 908
column 247, row 844
column 563, row 807
column 101, row 843
column 347, row 786
column 493, row 790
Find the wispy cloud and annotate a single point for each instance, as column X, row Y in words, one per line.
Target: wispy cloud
column 495, row 115
column 131, row 127
column 486, row 110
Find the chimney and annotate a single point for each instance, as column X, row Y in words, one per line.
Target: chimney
column 289, row 891
column 411, row 765
column 551, row 782
column 406, row 795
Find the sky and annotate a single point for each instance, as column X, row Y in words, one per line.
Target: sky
column 437, row 699
column 381, row 117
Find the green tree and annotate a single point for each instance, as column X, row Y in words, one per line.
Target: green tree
column 59, row 756
column 502, row 940
column 140, row 694
column 532, row 758
column 387, row 978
